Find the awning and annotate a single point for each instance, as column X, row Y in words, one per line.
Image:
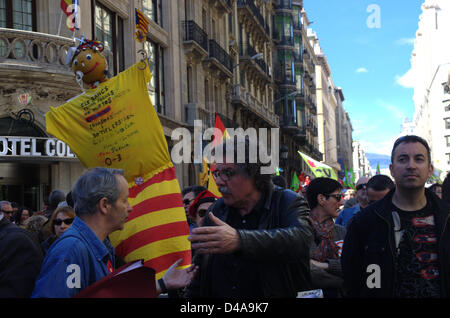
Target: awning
column 319, row 169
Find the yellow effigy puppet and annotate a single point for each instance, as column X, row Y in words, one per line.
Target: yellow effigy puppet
column 114, row 124
column 88, row 63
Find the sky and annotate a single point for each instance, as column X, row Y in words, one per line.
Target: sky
column 368, row 44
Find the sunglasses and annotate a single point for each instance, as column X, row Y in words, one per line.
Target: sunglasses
column 337, row 196
column 58, row 222
column 187, row 201
column 201, row 213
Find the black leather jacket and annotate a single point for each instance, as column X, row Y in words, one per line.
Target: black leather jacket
column 20, row 261
column 280, row 245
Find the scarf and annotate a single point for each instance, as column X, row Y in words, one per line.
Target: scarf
column 324, row 235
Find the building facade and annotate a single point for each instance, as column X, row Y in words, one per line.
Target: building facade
column 250, row 61
column 429, row 74
column 344, row 136
column 295, row 85
column 361, row 166
column 326, row 107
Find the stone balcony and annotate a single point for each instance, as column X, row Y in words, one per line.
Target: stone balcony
column 27, row 53
column 37, row 57
column 33, row 64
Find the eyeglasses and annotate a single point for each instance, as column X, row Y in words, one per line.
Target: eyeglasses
column 201, row 213
column 361, row 186
column 225, row 175
column 337, row 196
column 58, row 222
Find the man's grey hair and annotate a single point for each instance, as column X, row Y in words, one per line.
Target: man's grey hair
column 3, row 203
column 93, row 185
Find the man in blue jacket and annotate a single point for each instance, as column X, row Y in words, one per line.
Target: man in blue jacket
column 361, row 197
column 399, row 246
column 83, row 254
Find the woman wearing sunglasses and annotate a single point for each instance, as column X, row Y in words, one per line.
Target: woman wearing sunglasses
column 60, row 221
column 325, row 198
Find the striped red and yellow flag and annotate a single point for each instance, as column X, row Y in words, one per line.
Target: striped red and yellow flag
column 141, row 22
column 156, row 230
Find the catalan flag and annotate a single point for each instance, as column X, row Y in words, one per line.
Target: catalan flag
column 141, row 26
column 156, row 230
column 70, row 8
column 127, row 134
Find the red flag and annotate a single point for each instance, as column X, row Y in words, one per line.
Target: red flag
column 218, row 136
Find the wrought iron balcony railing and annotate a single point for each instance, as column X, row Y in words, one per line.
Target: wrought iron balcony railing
column 193, row 32
column 217, row 52
column 256, row 13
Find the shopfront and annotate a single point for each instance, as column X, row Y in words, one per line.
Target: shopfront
column 33, row 164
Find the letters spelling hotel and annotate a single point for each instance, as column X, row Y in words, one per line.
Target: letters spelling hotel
column 250, row 61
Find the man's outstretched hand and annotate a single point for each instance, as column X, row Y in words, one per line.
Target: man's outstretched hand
column 178, row 278
column 218, row 239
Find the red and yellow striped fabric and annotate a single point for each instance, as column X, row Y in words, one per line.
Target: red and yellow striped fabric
column 156, row 230
column 141, row 22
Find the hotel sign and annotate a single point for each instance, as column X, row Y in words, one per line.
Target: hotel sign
column 34, row 147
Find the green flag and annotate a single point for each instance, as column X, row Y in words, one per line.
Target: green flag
column 352, row 179
column 346, row 183
column 319, row 169
column 295, row 183
column 378, row 168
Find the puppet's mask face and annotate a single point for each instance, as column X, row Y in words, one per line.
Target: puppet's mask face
column 92, row 64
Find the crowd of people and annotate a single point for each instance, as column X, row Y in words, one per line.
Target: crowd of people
column 385, row 238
